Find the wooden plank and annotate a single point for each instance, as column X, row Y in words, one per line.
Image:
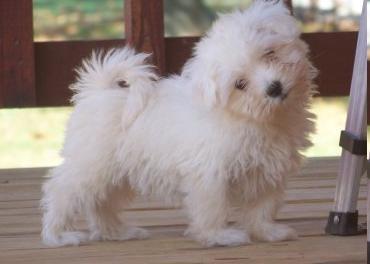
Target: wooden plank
column 17, row 76
column 289, row 4
column 20, row 173
column 55, row 64
column 144, row 28
column 178, row 51
column 314, row 168
column 309, row 180
column 20, row 191
column 306, row 211
column 368, row 214
column 167, row 245
column 368, row 94
column 30, row 220
column 335, row 71
column 27, row 192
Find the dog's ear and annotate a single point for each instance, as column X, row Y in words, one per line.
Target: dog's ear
column 210, row 84
column 274, row 17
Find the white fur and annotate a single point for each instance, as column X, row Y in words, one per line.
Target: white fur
column 192, row 137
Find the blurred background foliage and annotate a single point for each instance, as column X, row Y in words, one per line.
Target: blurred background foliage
column 33, row 137
column 102, row 19
column 77, row 19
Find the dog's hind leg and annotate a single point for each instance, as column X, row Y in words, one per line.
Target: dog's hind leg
column 258, row 218
column 104, row 217
column 60, row 203
column 208, row 205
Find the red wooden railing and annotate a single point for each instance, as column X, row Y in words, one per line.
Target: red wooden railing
column 17, row 59
column 38, row 73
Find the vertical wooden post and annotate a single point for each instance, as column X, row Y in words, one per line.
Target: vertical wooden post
column 289, row 4
column 144, row 26
column 17, row 74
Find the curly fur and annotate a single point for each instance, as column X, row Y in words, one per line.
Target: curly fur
column 192, row 137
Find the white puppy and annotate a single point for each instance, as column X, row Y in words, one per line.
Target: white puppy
column 229, row 129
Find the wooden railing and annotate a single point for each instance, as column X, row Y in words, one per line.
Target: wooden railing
column 38, row 73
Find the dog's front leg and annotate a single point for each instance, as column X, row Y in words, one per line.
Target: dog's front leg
column 258, row 218
column 207, row 204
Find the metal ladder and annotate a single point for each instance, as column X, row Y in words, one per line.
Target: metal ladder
column 343, row 219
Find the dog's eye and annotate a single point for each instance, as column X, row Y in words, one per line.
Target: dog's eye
column 241, row 84
column 270, row 56
column 269, row 53
column 123, row 84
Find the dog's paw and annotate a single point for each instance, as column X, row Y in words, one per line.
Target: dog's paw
column 224, row 237
column 135, row 233
column 275, row 232
column 127, row 233
column 70, row 238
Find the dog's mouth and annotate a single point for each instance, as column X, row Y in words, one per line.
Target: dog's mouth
column 278, row 99
column 284, row 96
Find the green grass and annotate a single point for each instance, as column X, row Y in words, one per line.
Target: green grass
column 76, row 20
column 97, row 19
column 33, row 137
column 331, row 119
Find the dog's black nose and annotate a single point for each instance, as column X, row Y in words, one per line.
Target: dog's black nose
column 275, row 89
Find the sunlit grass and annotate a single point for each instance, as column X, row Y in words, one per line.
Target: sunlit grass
column 33, row 137
column 77, row 20
column 331, row 118
column 96, row 19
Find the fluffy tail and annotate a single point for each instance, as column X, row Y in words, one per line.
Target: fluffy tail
column 114, row 69
column 119, row 69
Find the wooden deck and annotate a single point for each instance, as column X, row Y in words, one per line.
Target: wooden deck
column 309, row 198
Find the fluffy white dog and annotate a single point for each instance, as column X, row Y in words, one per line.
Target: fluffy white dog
column 229, row 129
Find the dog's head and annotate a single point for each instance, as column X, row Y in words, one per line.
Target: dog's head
column 251, row 62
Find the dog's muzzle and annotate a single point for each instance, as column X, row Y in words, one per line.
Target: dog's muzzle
column 275, row 90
